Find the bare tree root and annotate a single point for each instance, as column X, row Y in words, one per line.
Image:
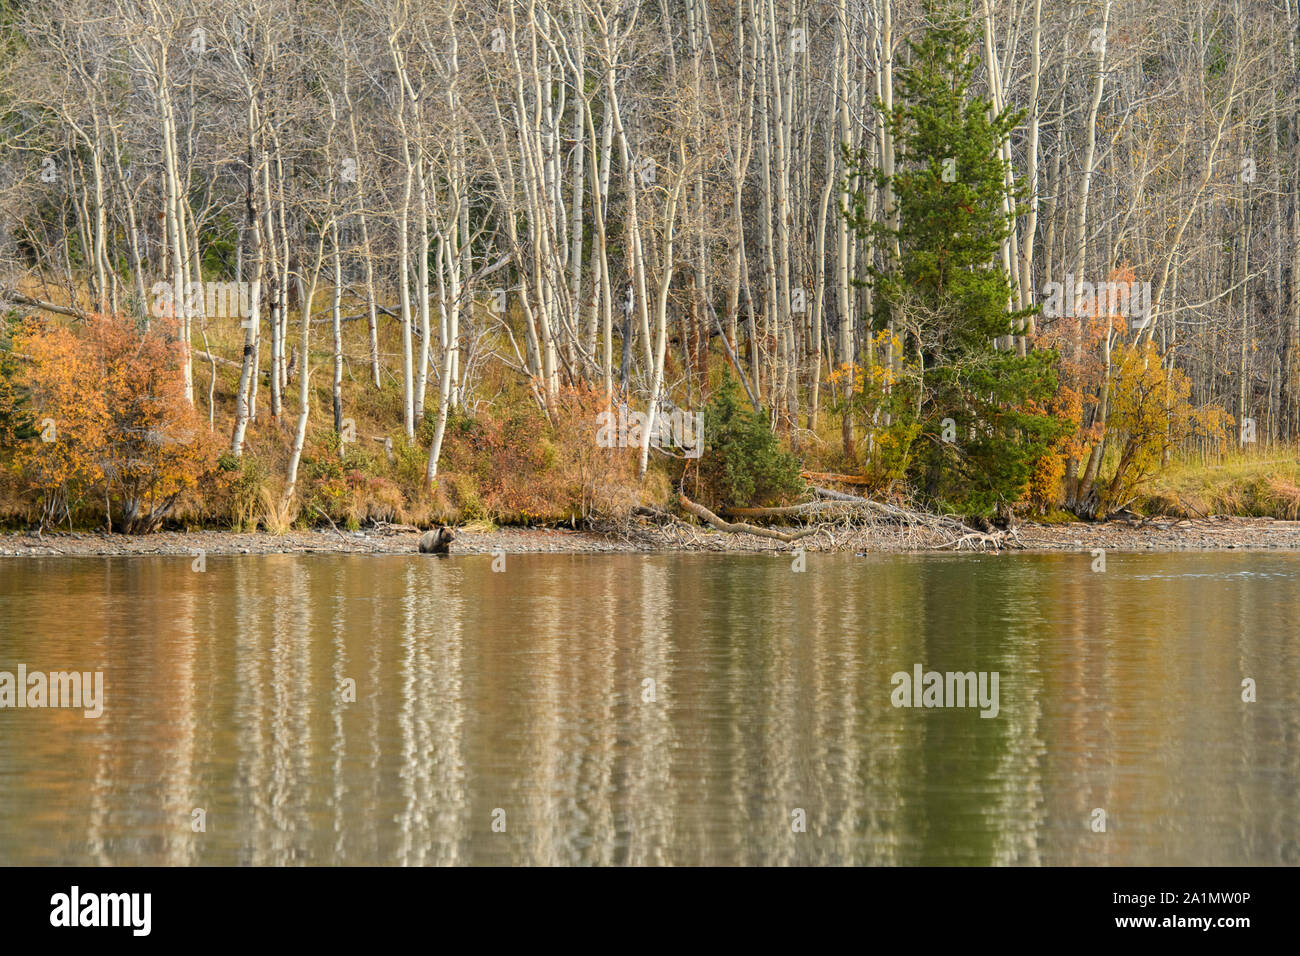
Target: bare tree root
column 981, row 541
column 838, row 515
column 833, row 521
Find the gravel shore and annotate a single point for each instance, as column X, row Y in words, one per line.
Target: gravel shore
column 1166, row 535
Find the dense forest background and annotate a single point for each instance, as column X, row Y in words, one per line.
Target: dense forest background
column 274, row 262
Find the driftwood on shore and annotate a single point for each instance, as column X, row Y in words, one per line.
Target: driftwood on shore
column 708, row 516
column 832, row 510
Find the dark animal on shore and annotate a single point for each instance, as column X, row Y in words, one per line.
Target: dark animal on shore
column 437, row 542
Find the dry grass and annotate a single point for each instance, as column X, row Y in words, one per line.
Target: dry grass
column 277, row 516
column 1263, row 483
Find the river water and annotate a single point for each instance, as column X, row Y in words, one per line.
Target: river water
column 682, row 709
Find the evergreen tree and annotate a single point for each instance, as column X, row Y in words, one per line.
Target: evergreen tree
column 742, row 463
column 948, row 287
column 947, row 296
column 15, row 418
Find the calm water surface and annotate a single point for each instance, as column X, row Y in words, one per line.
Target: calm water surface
column 521, row 696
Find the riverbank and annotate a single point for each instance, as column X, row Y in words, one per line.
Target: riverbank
column 1210, row 534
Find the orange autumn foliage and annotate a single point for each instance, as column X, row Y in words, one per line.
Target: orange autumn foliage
column 1044, row 490
column 1081, row 340
column 116, row 427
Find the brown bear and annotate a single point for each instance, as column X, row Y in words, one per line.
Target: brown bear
column 437, row 542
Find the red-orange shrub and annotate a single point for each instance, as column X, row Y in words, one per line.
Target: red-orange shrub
column 116, row 424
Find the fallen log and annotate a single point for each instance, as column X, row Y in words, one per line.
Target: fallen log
column 388, row 527
column 13, row 295
column 714, row 521
column 834, row 504
column 836, row 495
column 834, row 478
column 644, row 511
column 809, row 507
column 199, row 353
